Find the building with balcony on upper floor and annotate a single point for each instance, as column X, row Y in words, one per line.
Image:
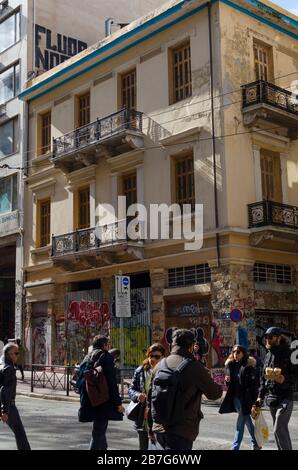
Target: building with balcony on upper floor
column 194, row 104
column 35, row 36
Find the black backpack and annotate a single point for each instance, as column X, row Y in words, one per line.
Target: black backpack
column 167, row 397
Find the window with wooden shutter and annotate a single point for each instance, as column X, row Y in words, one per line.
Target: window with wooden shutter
column 184, row 180
column 45, row 222
column 84, row 208
column 263, row 62
column 181, row 64
column 129, row 90
column 46, row 133
column 271, row 176
column 84, row 109
column 130, row 188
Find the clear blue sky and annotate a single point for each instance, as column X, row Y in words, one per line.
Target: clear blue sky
column 291, row 5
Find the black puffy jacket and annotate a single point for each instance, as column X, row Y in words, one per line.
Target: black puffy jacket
column 248, row 392
column 8, row 385
column 279, row 356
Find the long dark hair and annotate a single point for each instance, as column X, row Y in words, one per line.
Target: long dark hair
column 243, row 350
column 154, row 347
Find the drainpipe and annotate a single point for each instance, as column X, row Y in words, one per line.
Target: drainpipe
column 108, row 26
column 213, row 133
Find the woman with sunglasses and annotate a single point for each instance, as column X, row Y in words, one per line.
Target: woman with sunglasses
column 242, row 382
column 139, row 388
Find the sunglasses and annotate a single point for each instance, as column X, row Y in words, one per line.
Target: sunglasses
column 15, row 353
column 156, row 356
column 237, row 351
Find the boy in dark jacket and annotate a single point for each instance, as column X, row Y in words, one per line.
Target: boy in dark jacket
column 277, row 384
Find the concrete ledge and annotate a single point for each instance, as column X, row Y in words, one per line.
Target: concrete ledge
column 49, row 397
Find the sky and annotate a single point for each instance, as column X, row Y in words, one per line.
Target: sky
column 291, row 5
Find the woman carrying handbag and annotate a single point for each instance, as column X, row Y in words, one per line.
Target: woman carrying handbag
column 138, row 392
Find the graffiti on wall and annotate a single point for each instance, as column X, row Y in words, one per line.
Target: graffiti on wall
column 39, row 342
column 136, row 329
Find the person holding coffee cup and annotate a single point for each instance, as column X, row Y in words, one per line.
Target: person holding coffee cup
column 277, row 385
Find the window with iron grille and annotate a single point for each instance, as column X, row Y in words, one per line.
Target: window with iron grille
column 273, row 273
column 189, row 275
column 181, row 59
column 84, row 208
column 129, row 90
column 184, row 178
column 262, row 61
column 45, row 222
column 84, row 109
column 46, row 132
column 130, row 188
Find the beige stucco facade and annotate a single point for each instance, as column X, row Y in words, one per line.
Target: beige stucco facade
column 231, row 245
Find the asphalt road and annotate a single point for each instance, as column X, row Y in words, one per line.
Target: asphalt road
column 53, row 425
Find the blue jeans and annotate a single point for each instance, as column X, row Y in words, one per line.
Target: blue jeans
column 98, row 439
column 16, row 425
column 241, row 422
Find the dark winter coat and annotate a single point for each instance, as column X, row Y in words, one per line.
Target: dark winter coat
column 279, row 356
column 9, row 384
column 87, row 412
column 197, row 381
column 136, row 388
column 248, row 389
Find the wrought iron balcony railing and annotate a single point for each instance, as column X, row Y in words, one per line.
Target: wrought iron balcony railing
column 260, row 92
column 265, row 213
column 97, row 131
column 93, row 238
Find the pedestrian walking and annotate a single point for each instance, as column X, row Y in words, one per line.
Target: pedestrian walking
column 111, row 409
column 242, row 382
column 21, row 358
column 277, row 383
column 139, row 388
column 8, row 411
column 181, row 424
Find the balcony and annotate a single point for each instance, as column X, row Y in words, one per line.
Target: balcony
column 112, row 135
column 270, row 218
column 263, row 101
column 97, row 246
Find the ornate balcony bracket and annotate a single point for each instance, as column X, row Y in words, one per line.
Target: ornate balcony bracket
column 257, row 239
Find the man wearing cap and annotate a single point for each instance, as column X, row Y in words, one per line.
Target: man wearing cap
column 196, row 381
column 277, row 385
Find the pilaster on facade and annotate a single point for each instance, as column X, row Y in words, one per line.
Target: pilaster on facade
column 158, row 284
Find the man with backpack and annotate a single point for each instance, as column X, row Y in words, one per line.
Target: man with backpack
column 177, row 386
column 98, row 366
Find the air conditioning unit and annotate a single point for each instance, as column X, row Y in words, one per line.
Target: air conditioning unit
column 2, row 110
column 3, row 6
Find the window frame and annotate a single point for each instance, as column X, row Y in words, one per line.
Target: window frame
column 13, row 194
column 175, row 198
column 173, row 86
column 80, row 110
column 41, row 148
column 41, row 235
column 17, row 27
column 16, row 91
column 267, row 48
column 124, row 102
column 133, row 190
column 79, row 224
column 15, row 132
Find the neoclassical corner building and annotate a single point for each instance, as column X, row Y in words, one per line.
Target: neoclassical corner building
column 195, row 102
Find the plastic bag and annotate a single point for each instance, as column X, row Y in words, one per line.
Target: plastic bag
column 261, row 429
column 154, row 445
